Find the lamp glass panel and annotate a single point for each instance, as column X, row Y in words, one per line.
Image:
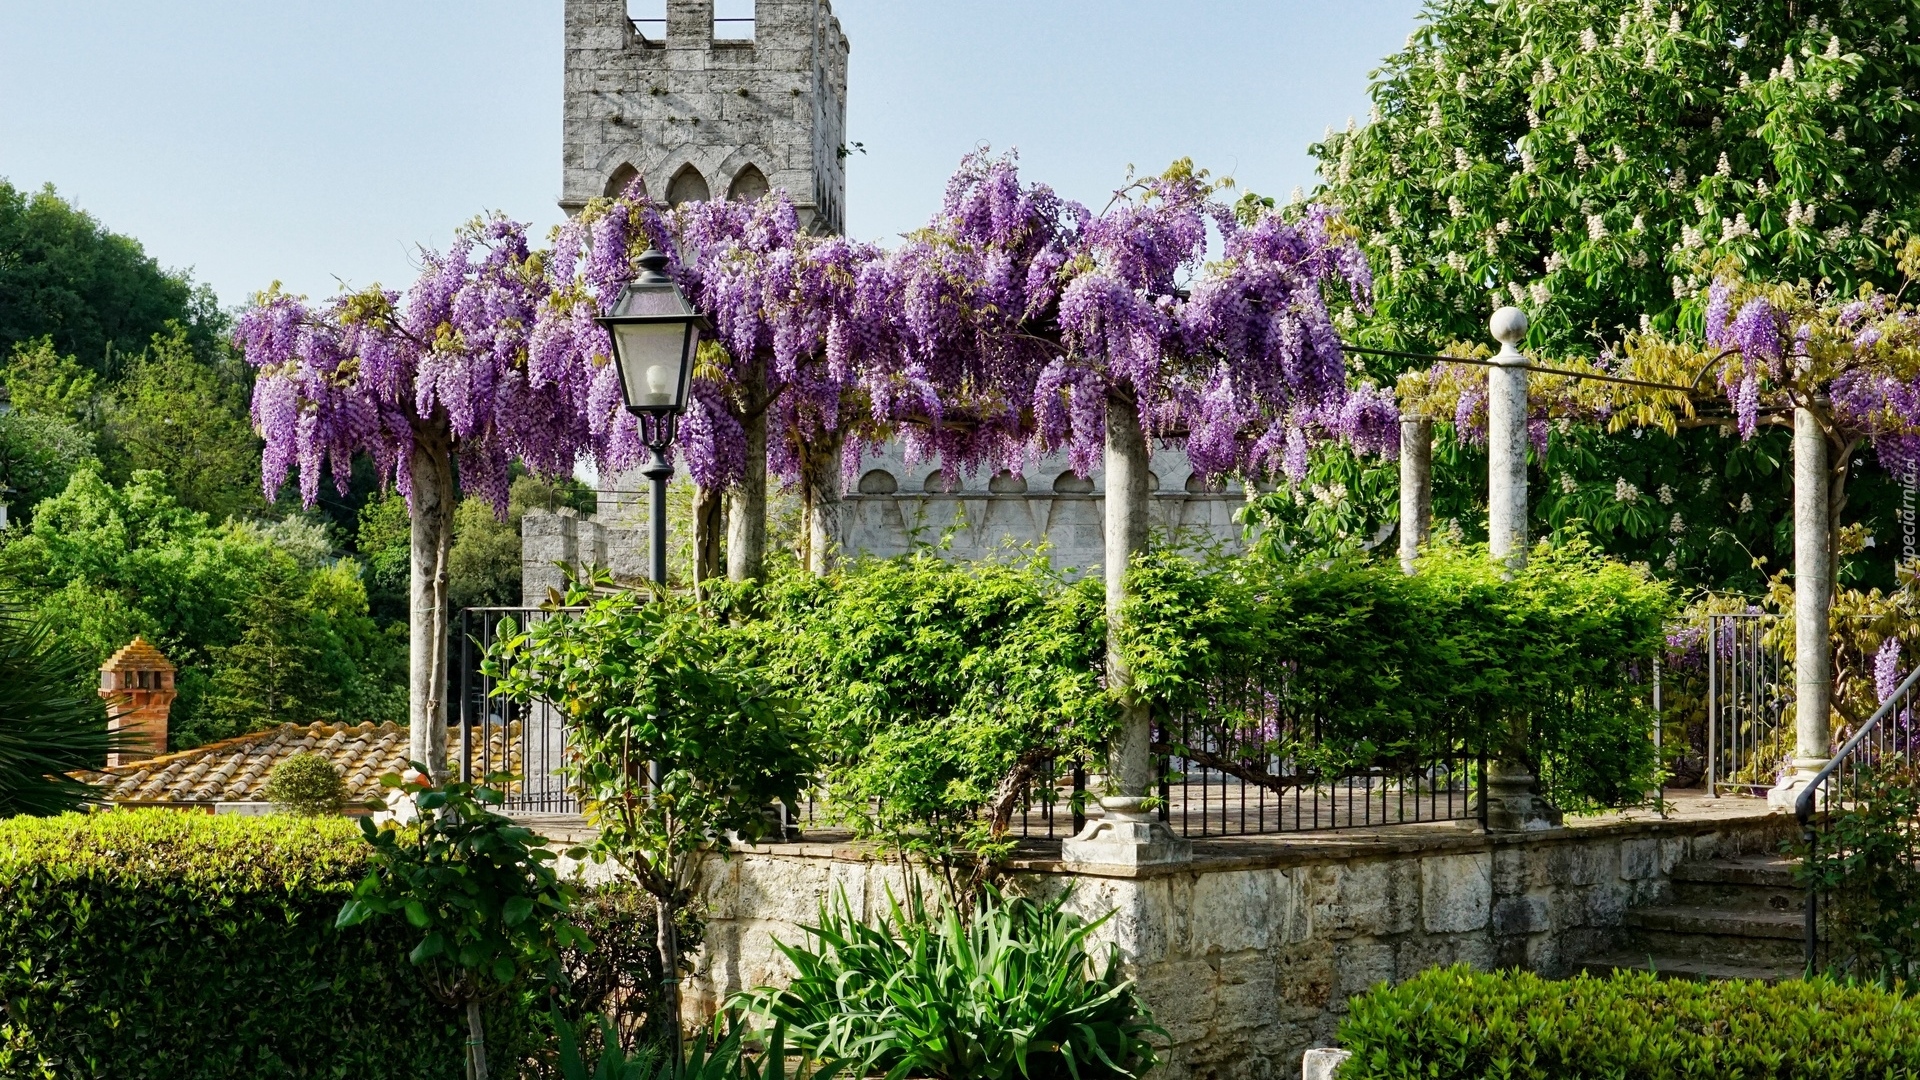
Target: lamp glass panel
column 650, row 359
column 662, row 299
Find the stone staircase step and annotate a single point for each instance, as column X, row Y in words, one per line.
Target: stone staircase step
column 1738, row 936
column 1760, row 882
column 1677, row 967
column 1719, row 922
column 1771, row 871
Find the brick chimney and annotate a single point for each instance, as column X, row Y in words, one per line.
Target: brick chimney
column 138, row 685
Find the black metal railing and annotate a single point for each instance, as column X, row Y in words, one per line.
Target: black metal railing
column 525, row 743
column 1251, row 762
column 1875, row 764
column 1749, row 687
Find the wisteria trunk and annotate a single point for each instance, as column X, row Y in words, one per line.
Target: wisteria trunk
column 822, row 497
column 1127, row 460
column 709, row 525
column 430, row 472
column 747, row 502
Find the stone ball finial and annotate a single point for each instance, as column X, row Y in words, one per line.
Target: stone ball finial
column 1509, row 326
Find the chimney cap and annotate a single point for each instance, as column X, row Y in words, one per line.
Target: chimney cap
column 137, row 655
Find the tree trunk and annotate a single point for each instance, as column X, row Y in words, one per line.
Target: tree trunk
column 476, row 1042
column 430, row 471
column 709, row 525
column 667, row 937
column 821, row 495
column 747, row 502
column 1127, row 459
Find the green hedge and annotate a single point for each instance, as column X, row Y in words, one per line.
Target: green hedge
column 165, row 944
column 1457, row 1024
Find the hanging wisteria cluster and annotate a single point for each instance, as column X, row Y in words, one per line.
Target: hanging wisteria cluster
column 369, row 372
column 998, row 332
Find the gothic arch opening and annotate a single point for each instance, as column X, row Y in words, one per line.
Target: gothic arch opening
column 749, row 185
column 687, row 185
column 622, row 177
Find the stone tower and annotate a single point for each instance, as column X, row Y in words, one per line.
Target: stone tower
column 697, row 116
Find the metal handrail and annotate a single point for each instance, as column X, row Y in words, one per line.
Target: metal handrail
column 1808, row 800
column 1804, row 805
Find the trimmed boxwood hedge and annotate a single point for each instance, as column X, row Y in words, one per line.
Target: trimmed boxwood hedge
column 1455, row 1023
column 170, row 945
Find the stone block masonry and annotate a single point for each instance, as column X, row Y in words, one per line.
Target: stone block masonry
column 697, row 116
column 1248, row 955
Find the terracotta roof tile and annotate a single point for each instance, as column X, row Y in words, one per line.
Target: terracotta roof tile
column 236, row 770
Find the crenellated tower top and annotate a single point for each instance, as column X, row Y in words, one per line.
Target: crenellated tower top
column 698, row 109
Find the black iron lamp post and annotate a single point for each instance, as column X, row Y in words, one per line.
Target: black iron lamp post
column 655, row 334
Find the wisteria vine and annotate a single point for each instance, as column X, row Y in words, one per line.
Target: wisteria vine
column 996, row 333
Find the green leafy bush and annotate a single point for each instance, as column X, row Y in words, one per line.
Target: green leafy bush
column 1458, row 1024
column 1008, row 990
column 166, row 945
column 1866, row 868
column 306, row 783
column 939, row 691
column 1551, row 665
column 943, row 693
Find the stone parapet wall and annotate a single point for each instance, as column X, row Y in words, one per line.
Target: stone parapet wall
column 1248, row 955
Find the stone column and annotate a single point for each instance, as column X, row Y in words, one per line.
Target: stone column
column 1812, row 597
column 1511, row 801
column 1507, row 441
column 1416, row 487
column 1127, row 833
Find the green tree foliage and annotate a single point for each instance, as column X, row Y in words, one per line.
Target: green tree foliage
column 41, row 380
column 481, row 890
column 1593, row 162
column 1579, row 157
column 649, row 679
column 937, row 689
column 103, row 563
column 384, row 540
column 177, row 415
column 96, row 293
column 38, row 456
column 276, row 672
column 484, row 567
column 50, row 723
column 1550, row 665
column 1458, row 1024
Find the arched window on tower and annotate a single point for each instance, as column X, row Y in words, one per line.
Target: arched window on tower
column 621, row 178
column 687, row 185
column 750, row 184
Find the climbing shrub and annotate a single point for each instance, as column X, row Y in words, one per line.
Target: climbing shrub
column 939, row 692
column 942, row 693
column 1551, row 664
column 1458, row 1024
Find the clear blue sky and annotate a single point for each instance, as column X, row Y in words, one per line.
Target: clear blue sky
column 319, row 142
